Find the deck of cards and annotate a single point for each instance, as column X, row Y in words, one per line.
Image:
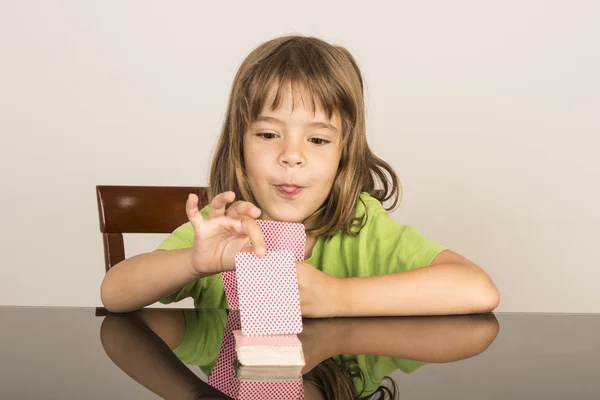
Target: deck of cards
column 269, row 367
column 264, row 366
column 265, row 289
column 270, row 350
column 267, row 390
column 261, row 356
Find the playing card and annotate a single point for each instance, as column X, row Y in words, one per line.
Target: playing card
column 267, row 390
column 268, row 293
column 269, row 350
column 222, row 375
column 230, row 285
column 242, row 340
column 278, row 236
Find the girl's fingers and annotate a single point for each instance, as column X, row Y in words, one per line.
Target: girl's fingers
column 253, row 231
column 243, row 208
column 244, row 227
column 217, row 205
column 191, row 209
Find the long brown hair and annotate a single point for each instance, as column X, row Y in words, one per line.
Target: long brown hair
column 337, row 382
column 332, row 78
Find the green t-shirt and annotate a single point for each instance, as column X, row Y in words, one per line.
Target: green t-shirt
column 204, row 329
column 382, row 246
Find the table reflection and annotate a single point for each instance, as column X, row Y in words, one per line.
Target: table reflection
column 345, row 358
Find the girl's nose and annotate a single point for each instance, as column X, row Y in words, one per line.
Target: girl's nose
column 292, row 156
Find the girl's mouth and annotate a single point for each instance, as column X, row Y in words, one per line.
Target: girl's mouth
column 289, row 191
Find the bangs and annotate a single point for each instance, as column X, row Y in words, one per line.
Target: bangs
column 307, row 70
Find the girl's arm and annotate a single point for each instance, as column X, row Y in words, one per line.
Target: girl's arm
column 451, row 284
column 433, row 339
column 438, row 339
column 131, row 344
column 146, row 278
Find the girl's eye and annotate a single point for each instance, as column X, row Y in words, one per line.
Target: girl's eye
column 319, row 141
column 267, row 135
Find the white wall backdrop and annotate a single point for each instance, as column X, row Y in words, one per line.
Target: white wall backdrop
column 489, row 112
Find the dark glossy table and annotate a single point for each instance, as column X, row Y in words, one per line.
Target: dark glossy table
column 78, row 353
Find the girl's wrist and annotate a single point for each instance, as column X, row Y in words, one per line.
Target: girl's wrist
column 337, row 297
column 195, row 271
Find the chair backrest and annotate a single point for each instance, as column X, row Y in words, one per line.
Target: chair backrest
column 140, row 209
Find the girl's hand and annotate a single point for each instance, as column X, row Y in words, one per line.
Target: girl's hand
column 318, row 292
column 223, row 234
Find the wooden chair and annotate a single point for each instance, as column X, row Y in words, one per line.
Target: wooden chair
column 140, row 209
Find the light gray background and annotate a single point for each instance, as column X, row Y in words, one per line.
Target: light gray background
column 489, row 112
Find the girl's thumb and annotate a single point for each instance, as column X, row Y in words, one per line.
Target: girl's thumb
column 191, row 209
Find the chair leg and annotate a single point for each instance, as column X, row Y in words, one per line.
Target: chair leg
column 114, row 249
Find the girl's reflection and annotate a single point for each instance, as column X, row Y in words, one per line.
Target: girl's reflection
column 346, row 358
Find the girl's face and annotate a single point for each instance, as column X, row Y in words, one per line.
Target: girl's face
column 292, row 157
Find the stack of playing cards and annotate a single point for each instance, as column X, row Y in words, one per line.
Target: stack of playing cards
column 268, row 390
column 265, row 289
column 268, row 293
column 267, row 373
column 257, row 354
column 256, row 382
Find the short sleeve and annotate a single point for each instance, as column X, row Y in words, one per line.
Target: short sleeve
column 181, row 238
column 393, row 247
column 408, row 366
column 192, row 290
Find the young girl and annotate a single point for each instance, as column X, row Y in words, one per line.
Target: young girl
column 293, row 148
